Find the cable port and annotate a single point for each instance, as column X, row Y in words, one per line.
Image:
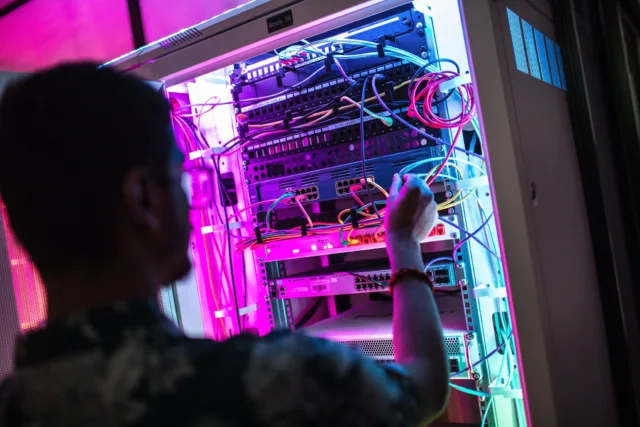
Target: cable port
column 454, row 365
column 305, row 194
column 342, row 186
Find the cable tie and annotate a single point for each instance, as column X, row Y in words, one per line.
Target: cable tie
column 487, row 291
column 506, row 392
column 390, row 90
column 328, row 62
column 382, row 44
column 243, row 129
column 455, row 82
column 354, row 218
column 256, row 230
column 336, row 107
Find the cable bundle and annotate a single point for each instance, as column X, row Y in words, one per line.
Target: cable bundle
column 426, row 89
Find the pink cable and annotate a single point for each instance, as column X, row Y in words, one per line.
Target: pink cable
column 427, row 94
column 426, row 89
column 446, row 157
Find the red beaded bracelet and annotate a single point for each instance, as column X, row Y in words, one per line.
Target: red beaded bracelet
column 412, row 273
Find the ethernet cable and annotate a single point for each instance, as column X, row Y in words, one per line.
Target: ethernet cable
column 470, row 391
column 273, row 205
column 437, row 260
column 502, row 364
column 452, row 202
column 473, row 235
column 304, row 212
column 189, row 141
column 387, row 121
column 326, row 113
column 457, row 160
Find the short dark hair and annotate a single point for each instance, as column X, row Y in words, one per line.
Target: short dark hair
column 68, row 135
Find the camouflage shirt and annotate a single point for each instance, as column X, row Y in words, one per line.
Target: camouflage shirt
column 128, row 365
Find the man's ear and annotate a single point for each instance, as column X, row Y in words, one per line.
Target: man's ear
column 141, row 195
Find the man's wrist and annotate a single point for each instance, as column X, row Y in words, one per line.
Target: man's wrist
column 404, row 253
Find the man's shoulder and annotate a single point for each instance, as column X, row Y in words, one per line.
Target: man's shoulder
column 208, row 356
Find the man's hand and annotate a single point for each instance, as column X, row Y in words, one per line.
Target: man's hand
column 411, row 209
column 411, row 212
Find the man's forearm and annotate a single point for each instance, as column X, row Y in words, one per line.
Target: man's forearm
column 417, row 332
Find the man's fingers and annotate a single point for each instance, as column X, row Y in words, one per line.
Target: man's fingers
column 396, row 185
column 415, row 186
column 411, row 180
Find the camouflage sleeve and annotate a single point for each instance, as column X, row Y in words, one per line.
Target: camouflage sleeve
column 294, row 380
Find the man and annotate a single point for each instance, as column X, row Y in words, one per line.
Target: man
column 91, row 179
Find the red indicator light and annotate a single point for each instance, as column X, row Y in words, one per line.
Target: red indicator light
column 438, row 230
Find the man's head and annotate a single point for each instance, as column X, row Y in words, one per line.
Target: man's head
column 90, row 174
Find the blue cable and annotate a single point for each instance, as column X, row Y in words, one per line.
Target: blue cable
column 362, row 143
column 472, row 235
column 440, row 259
column 348, row 219
column 273, row 205
column 486, row 412
column 469, row 391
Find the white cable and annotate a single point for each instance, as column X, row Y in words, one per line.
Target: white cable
column 466, row 162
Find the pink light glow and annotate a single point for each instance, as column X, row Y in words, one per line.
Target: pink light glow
column 45, row 32
column 31, row 300
column 164, row 17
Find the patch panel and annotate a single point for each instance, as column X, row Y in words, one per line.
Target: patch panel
column 316, row 96
column 338, row 283
column 372, row 282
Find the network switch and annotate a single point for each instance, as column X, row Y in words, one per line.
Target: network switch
column 343, row 280
column 316, row 172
